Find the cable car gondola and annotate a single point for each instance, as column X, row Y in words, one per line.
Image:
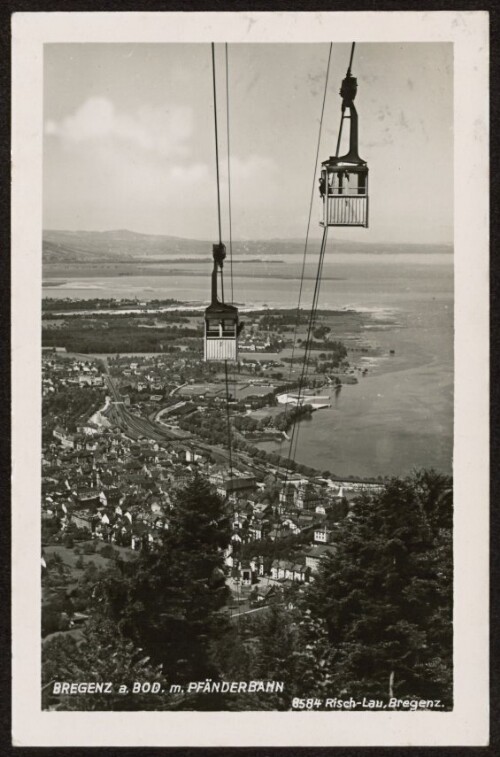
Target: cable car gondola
column 344, row 180
column 222, row 325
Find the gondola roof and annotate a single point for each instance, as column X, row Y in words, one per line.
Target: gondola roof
column 221, row 308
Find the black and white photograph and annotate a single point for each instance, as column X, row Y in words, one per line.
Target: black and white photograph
column 248, row 388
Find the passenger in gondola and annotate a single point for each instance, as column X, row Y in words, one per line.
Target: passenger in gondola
column 322, row 186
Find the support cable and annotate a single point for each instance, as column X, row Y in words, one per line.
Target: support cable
column 298, row 315
column 351, row 58
column 229, row 176
column 228, row 418
column 312, row 320
column 216, row 144
column 229, row 187
column 307, row 353
column 311, row 202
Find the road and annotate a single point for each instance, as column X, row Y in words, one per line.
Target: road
column 235, row 616
column 176, row 388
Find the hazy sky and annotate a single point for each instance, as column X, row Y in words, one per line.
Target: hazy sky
column 129, row 137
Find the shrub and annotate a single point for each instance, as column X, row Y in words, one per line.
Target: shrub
column 53, row 620
column 107, row 551
column 80, row 563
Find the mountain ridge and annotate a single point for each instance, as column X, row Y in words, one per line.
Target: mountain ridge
column 59, row 246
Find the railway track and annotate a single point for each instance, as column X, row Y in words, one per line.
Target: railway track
column 144, row 427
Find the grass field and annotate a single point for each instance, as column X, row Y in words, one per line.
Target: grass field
column 70, row 559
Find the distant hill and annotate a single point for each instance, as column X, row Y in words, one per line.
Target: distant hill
column 124, row 245
column 83, row 246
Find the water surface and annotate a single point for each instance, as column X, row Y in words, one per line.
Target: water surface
column 400, row 415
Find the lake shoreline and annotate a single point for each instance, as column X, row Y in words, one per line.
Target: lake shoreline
column 400, row 413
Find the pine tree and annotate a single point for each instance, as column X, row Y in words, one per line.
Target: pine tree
column 101, row 656
column 312, row 658
column 277, row 644
column 169, row 606
column 386, row 593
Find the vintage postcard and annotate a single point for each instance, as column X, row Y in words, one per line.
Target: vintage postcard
column 250, row 379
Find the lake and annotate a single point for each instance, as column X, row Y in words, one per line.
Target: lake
column 400, row 415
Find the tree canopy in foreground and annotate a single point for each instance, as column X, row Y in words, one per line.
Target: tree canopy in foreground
column 375, row 623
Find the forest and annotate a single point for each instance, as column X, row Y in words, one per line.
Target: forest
column 98, row 303
column 375, row 622
column 70, row 405
column 115, row 335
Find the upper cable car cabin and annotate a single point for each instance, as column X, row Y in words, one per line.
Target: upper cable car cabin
column 343, row 182
column 222, row 325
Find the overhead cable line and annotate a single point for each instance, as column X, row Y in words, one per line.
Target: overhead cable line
column 226, row 377
column 229, row 188
column 304, row 256
column 228, row 420
column 351, row 58
column 314, row 307
column 229, row 175
column 311, row 202
column 216, row 145
column 309, row 338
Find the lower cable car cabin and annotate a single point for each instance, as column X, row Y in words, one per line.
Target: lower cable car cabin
column 222, row 325
column 221, row 332
column 343, row 183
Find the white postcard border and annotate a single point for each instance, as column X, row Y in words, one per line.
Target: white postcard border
column 468, row 723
